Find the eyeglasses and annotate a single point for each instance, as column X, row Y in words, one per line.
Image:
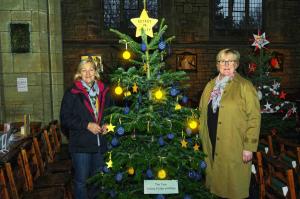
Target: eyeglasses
column 224, row 62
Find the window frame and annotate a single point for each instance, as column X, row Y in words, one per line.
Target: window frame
column 234, row 32
column 124, row 22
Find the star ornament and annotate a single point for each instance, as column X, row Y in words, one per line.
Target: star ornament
column 183, row 143
column 260, row 40
column 145, row 23
column 196, row 147
column 282, row 95
column 110, row 127
column 267, row 106
column 135, row 88
column 109, row 164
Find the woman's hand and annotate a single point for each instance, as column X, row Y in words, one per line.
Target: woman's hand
column 94, row 127
column 247, row 156
column 104, row 129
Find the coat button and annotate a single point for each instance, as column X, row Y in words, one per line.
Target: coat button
column 220, row 123
column 218, row 138
column 216, row 154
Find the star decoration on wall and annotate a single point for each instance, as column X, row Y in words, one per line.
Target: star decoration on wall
column 184, row 143
column 260, row 40
column 110, row 127
column 145, row 23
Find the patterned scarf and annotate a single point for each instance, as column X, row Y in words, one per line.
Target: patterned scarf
column 216, row 94
column 93, row 92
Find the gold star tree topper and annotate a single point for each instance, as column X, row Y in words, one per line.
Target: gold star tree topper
column 145, row 23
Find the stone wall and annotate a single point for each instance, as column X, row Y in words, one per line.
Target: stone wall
column 191, row 22
column 42, row 65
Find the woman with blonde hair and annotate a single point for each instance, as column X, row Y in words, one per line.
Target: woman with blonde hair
column 81, row 114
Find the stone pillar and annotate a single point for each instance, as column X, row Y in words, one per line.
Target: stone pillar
column 42, row 65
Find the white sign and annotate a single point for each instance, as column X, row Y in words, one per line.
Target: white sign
column 22, row 85
column 161, row 187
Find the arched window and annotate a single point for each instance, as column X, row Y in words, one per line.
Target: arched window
column 117, row 13
column 238, row 14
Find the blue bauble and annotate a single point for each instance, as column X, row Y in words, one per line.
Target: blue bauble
column 188, row 131
column 105, row 169
column 161, row 141
column 187, row 196
column 149, row 174
column 202, row 164
column 198, row 176
column 160, row 196
column 189, row 140
column 120, row 130
column 115, row 142
column 126, row 110
column 185, row 99
column 162, row 45
column 170, row 136
column 143, row 47
column 112, row 193
column 192, row 174
column 119, row 177
column 173, row 92
column 140, row 99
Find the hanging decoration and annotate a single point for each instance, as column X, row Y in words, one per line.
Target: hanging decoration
column 192, row 123
column 126, row 54
column 118, row 89
column 259, row 40
column 161, row 174
column 135, row 88
column 252, row 67
column 110, row 127
column 110, row 162
column 144, row 22
column 196, row 147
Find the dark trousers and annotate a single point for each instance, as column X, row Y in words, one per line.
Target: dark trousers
column 85, row 165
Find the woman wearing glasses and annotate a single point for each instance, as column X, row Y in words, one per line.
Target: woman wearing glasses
column 230, row 125
column 81, row 114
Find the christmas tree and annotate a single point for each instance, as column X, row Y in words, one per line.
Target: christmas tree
column 277, row 112
column 153, row 135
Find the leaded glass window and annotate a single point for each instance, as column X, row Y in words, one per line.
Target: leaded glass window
column 117, row 13
column 238, row 14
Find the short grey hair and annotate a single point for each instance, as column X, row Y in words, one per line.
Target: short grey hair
column 227, row 51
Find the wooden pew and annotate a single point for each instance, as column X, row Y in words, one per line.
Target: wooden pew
column 37, row 181
column 3, row 185
column 278, row 179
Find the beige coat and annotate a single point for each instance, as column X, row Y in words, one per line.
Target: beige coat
column 238, row 129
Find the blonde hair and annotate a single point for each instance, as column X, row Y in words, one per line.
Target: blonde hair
column 89, row 60
column 228, row 51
